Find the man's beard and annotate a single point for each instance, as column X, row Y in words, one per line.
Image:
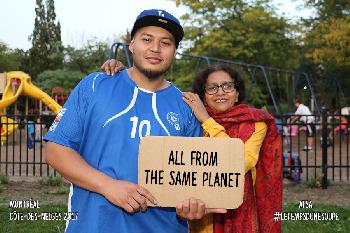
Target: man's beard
column 151, row 74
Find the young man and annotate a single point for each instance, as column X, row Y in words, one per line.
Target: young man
column 94, row 140
column 304, row 114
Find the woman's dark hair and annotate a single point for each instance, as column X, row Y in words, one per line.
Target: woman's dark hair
column 202, row 76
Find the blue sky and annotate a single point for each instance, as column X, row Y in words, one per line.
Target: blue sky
column 82, row 20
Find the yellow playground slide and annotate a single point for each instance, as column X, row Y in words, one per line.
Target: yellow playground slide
column 27, row 88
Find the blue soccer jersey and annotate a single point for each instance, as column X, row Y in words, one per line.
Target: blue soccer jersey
column 104, row 120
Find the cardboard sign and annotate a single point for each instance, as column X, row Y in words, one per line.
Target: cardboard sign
column 176, row 168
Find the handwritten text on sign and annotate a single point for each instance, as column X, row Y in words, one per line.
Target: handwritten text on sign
column 177, row 168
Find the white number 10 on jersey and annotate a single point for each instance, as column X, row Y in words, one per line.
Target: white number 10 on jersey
column 143, row 124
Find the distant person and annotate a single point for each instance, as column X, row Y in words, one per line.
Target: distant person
column 278, row 122
column 30, row 133
column 304, row 115
column 15, row 84
column 341, row 128
column 39, row 128
column 95, row 138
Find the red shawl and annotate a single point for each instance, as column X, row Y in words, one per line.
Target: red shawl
column 261, row 201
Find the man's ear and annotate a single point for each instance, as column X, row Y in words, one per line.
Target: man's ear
column 131, row 46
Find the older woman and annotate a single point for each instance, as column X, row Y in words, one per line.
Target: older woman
column 217, row 104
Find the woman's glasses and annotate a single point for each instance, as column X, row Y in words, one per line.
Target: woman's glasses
column 214, row 88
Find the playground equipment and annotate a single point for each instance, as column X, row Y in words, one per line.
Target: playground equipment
column 57, row 93
column 258, row 73
column 24, row 86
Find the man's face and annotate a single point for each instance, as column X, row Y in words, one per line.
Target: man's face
column 153, row 50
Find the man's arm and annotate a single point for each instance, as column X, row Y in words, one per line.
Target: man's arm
column 294, row 118
column 128, row 196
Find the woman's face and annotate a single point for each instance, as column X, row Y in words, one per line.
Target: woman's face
column 226, row 95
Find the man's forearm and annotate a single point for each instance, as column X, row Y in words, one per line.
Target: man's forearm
column 74, row 168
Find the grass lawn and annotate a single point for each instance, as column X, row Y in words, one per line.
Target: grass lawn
column 31, row 226
column 41, row 226
column 342, row 225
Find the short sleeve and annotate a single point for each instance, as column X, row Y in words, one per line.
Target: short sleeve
column 214, row 130
column 297, row 112
column 194, row 128
column 67, row 128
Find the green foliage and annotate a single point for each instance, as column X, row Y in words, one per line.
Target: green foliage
column 13, row 59
column 329, row 8
column 184, row 82
column 7, row 60
column 60, row 190
column 182, row 73
column 52, row 181
column 326, row 51
column 4, row 179
column 316, row 182
column 238, row 30
column 47, row 50
column 87, row 59
column 341, row 225
column 257, row 98
column 55, row 181
column 39, row 226
column 249, row 31
column 330, row 42
column 62, row 78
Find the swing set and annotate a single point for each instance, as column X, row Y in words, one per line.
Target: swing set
column 280, row 85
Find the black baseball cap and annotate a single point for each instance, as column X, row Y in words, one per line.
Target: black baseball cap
column 159, row 18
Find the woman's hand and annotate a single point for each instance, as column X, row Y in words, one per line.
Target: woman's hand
column 196, row 105
column 193, row 209
column 112, row 66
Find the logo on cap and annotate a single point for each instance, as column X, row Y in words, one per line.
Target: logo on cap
column 160, row 13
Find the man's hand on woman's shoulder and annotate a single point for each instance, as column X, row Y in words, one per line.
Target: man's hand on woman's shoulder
column 112, row 66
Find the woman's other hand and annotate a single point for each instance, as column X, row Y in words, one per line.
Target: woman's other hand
column 196, row 105
column 193, row 209
column 112, row 66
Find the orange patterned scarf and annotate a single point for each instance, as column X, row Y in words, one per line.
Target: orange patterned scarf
column 261, row 201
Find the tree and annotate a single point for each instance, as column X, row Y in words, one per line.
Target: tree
column 326, row 50
column 248, row 31
column 326, row 9
column 330, row 42
column 46, row 52
column 88, row 59
column 242, row 30
column 54, row 37
column 11, row 60
column 7, row 59
column 66, row 79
